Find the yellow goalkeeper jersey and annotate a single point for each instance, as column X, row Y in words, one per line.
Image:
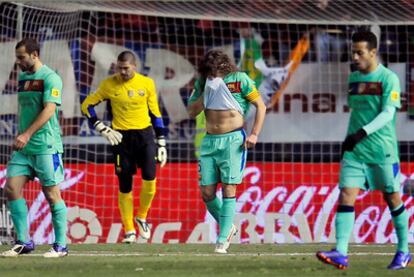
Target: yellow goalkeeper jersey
column 131, row 101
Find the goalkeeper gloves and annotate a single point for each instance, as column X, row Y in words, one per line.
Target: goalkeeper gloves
column 112, row 136
column 161, row 151
column 351, row 140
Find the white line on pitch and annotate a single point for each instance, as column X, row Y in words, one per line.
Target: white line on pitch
column 101, row 254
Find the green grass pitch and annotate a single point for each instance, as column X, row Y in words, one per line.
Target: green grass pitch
column 199, row 260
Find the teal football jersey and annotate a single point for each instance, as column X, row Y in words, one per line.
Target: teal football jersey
column 242, row 88
column 34, row 91
column 368, row 95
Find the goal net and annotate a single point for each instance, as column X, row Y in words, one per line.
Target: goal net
column 298, row 54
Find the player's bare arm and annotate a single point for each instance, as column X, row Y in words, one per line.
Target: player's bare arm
column 251, row 140
column 195, row 108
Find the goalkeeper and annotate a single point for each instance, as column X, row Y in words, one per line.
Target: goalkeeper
column 136, row 116
column 370, row 151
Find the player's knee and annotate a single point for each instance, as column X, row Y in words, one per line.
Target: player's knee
column 10, row 192
column 393, row 200
column 229, row 191
column 347, row 197
column 207, row 198
column 207, row 195
column 52, row 194
column 125, row 183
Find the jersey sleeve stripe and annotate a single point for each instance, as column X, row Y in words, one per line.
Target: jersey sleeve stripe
column 253, row 95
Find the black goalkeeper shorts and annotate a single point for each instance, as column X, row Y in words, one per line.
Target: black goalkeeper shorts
column 137, row 149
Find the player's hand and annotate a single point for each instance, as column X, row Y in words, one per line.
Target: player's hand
column 112, row 136
column 21, row 141
column 250, row 141
column 351, row 140
column 161, row 151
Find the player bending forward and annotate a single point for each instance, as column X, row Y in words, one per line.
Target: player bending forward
column 225, row 96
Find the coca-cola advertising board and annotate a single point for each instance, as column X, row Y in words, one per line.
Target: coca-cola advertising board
column 276, row 203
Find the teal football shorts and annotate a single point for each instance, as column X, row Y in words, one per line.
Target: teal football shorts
column 48, row 167
column 383, row 177
column 223, row 158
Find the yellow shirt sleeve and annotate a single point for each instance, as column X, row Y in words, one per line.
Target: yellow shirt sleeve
column 94, row 99
column 134, row 103
column 152, row 99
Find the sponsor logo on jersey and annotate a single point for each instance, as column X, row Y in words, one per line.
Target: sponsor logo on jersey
column 130, row 93
column 395, row 95
column 55, row 92
column 365, row 88
column 31, row 85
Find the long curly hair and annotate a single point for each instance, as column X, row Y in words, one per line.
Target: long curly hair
column 215, row 61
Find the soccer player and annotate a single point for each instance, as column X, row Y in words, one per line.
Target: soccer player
column 370, row 150
column 134, row 106
column 37, row 149
column 225, row 96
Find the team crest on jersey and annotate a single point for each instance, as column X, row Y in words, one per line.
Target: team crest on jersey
column 234, row 87
column 130, row 93
column 361, row 88
column 394, row 95
column 141, row 92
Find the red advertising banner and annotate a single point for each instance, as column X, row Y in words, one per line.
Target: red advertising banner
column 277, row 203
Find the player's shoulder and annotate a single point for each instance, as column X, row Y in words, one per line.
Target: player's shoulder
column 354, row 76
column 47, row 71
column 111, row 78
column 237, row 76
column 110, row 81
column 388, row 73
column 142, row 78
column 241, row 75
column 246, row 78
column 49, row 75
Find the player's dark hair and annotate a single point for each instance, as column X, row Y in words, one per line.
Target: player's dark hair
column 127, row 56
column 31, row 45
column 213, row 62
column 366, row 36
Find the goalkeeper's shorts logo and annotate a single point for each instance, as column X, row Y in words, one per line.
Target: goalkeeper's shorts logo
column 83, row 226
